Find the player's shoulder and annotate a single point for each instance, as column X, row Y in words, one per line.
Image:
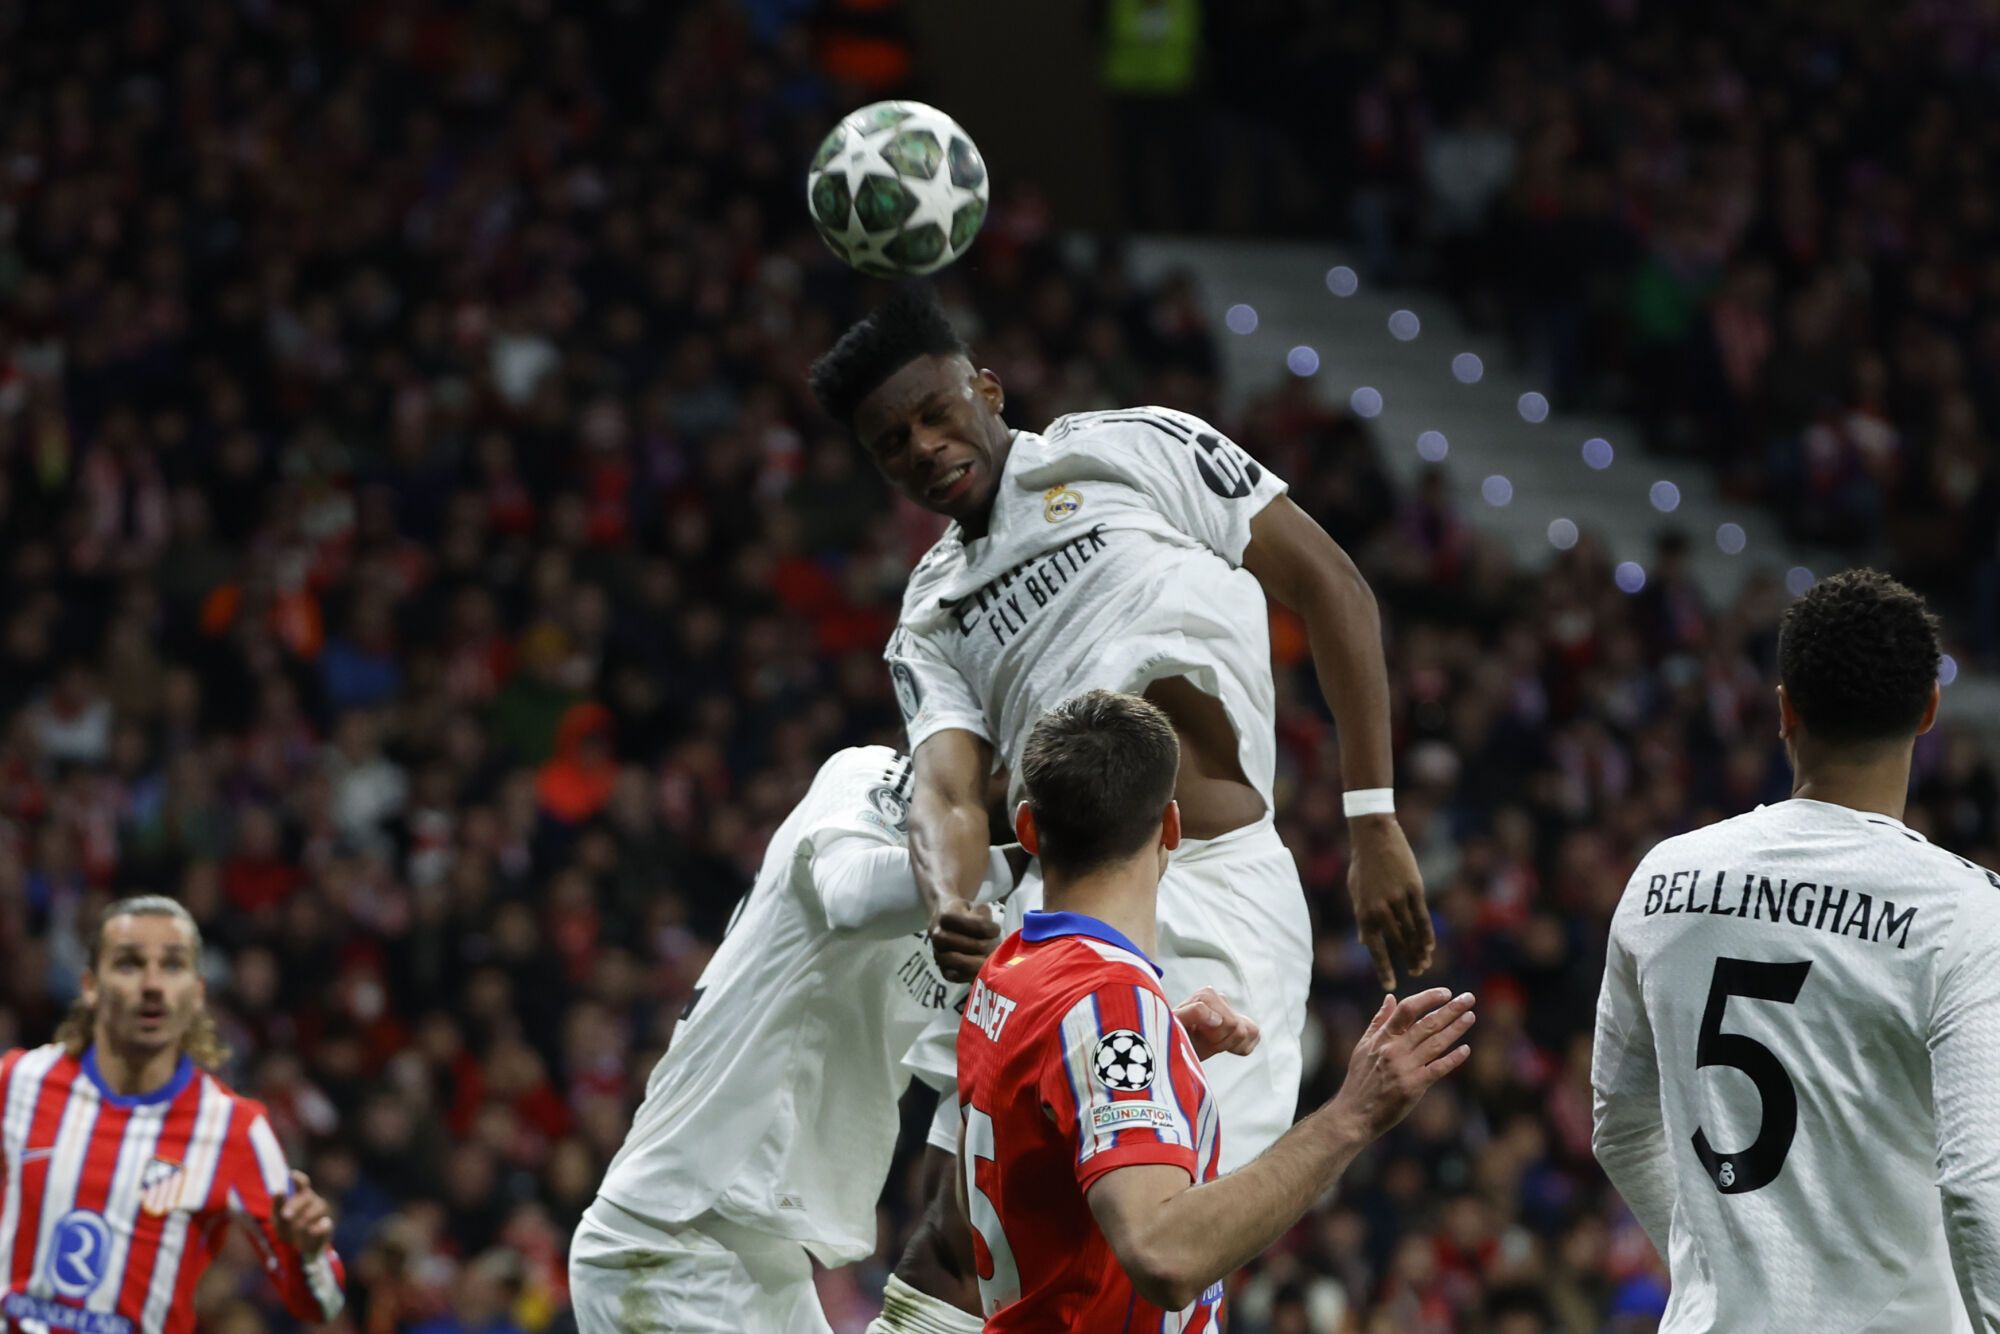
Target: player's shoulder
column 1734, row 831
column 39, row 1062
column 244, row 1110
column 855, row 766
column 1072, row 970
column 1144, row 425
column 1104, row 444
column 1944, row 869
column 929, row 578
column 860, row 782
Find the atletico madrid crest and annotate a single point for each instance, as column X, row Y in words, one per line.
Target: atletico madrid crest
column 160, row 1186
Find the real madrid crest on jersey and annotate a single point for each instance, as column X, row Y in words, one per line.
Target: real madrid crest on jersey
column 1059, row 502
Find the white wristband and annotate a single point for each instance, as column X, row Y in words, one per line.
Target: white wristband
column 1369, row 801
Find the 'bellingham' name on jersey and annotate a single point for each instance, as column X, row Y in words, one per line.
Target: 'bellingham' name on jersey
column 1756, row 897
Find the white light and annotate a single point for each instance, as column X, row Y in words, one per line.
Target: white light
column 1631, row 577
column 1241, row 319
column 1562, row 534
column 1947, row 670
column 1497, row 490
column 1597, row 452
column 1404, row 325
column 1533, row 407
column 1666, row 497
column 1731, row 539
column 1466, row 367
column 1342, row 281
column 1432, row 446
column 1798, row 580
column 1302, row 361
column 1365, row 401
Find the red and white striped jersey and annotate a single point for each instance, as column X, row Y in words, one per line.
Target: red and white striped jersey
column 1071, row 1065
column 113, row 1206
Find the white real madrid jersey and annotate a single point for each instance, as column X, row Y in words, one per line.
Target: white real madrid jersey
column 775, row 1104
column 1113, row 559
column 1797, row 1074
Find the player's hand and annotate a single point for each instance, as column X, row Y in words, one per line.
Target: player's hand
column 1215, row 1026
column 962, row 935
column 1409, row 1046
column 1388, row 897
column 304, row 1219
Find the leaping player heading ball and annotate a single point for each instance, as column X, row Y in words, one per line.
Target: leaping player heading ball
column 1133, row 551
column 1090, row 1141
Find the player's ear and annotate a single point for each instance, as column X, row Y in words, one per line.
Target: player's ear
column 1170, row 826
column 1930, row 710
column 987, row 385
column 1024, row 829
column 1788, row 717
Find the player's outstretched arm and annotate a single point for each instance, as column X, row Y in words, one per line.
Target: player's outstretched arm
column 948, row 847
column 1174, row 1240
column 1303, row 568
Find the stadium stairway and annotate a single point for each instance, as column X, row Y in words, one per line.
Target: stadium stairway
column 1514, row 467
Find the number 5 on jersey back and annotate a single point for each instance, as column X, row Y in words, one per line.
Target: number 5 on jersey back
column 1758, row 1165
column 999, row 1276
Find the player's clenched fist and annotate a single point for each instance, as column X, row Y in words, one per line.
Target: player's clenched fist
column 1409, row 1046
column 962, row 935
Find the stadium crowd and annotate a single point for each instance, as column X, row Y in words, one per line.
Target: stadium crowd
column 1767, row 230
column 423, row 560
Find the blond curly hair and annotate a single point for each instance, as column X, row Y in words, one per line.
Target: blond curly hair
column 203, row 1044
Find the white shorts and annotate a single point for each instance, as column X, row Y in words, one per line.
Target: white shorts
column 629, row 1275
column 1233, row 917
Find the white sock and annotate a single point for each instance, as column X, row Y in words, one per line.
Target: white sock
column 907, row 1311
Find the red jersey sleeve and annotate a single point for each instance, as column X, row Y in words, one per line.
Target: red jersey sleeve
column 1113, row 1077
column 313, row 1287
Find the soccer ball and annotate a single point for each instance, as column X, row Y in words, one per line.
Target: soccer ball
column 897, row 189
column 1124, row 1062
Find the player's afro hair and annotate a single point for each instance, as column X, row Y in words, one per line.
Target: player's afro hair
column 910, row 324
column 1858, row 655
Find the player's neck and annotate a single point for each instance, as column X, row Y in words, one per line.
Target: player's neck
column 1879, row 782
column 1125, row 898
column 135, row 1073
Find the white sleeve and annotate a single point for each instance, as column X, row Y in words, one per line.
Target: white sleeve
column 1628, row 1134
column 1965, row 1092
column 945, row 1120
column 1202, row 482
column 866, row 885
column 931, row 692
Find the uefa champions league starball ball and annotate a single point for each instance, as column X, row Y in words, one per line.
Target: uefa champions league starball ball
column 897, row 189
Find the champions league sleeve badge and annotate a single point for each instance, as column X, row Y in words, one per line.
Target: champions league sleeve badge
column 909, row 697
column 1123, row 1062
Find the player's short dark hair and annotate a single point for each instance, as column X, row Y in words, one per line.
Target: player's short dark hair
column 910, row 324
column 1098, row 772
column 1858, row 655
